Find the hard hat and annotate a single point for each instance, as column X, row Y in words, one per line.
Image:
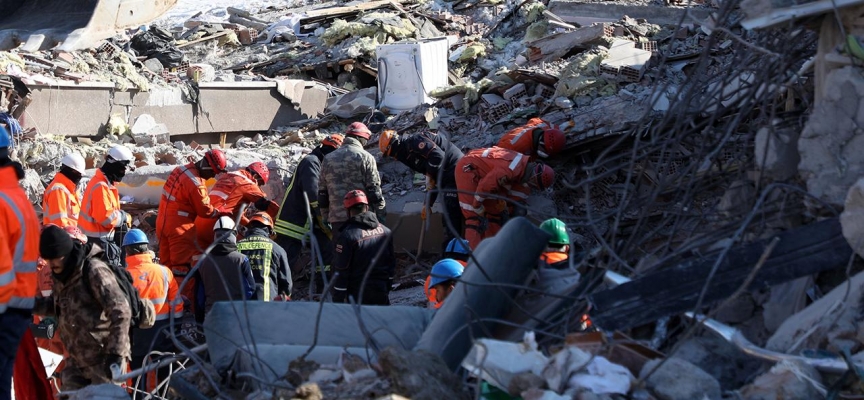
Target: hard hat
column 556, row 228
column 5, row 140
column 75, row 161
column 353, row 198
column 445, row 270
column 334, row 141
column 385, row 141
column 216, row 159
column 358, row 129
column 263, row 218
column 224, row 222
column 121, row 153
column 459, row 246
column 135, row 236
column 543, row 176
column 75, row 233
column 554, row 141
column 260, row 169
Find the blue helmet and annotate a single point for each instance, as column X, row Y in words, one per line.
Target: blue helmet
column 135, row 236
column 458, row 246
column 5, row 140
column 445, row 270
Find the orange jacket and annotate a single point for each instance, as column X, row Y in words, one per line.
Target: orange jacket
column 184, row 197
column 521, row 139
column 19, row 244
column 60, row 204
column 156, row 283
column 499, row 171
column 100, row 207
column 553, row 257
column 230, row 190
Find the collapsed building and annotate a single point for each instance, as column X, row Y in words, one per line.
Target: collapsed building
column 712, row 184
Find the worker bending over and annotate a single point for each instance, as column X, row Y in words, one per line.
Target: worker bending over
column 536, row 139
column 101, row 218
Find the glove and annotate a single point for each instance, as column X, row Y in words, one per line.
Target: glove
column 480, row 211
column 262, row 204
column 128, row 220
column 224, row 212
column 110, row 360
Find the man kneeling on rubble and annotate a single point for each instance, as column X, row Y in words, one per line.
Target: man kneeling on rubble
column 93, row 312
column 361, row 240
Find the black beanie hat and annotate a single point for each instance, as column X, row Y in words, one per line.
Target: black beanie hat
column 54, row 242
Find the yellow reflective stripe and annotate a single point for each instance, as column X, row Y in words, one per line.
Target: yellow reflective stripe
column 267, row 246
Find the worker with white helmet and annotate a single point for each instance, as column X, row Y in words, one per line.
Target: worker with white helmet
column 101, row 215
column 225, row 273
column 61, row 202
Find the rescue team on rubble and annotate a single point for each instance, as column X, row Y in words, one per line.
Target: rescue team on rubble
column 103, row 287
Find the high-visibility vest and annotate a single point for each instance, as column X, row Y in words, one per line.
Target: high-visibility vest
column 100, row 208
column 155, row 283
column 19, row 244
column 60, row 203
column 259, row 250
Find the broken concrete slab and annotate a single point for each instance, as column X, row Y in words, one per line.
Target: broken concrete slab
column 852, row 218
column 625, row 61
column 677, row 379
column 585, row 13
column 557, row 45
column 354, row 103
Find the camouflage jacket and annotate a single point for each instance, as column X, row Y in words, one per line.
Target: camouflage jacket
column 94, row 320
column 348, row 168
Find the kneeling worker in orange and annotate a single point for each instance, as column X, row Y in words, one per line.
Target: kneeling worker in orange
column 485, row 177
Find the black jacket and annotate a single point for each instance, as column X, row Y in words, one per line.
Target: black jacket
column 361, row 238
column 293, row 220
column 226, row 275
column 269, row 263
column 430, row 154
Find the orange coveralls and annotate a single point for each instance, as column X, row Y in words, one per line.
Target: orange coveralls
column 60, row 203
column 231, row 190
column 521, row 139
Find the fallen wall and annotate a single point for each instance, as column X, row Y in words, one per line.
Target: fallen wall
column 84, row 109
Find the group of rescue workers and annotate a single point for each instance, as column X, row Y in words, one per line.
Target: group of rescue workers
column 110, row 303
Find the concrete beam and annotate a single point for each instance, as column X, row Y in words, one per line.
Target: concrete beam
column 84, row 110
column 589, row 13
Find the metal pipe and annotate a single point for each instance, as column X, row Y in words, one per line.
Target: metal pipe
column 118, row 376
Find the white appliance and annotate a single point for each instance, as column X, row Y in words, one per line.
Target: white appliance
column 408, row 71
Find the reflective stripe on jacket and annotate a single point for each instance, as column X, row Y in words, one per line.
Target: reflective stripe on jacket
column 100, row 208
column 19, row 244
column 497, row 170
column 156, row 283
column 60, row 203
column 521, row 139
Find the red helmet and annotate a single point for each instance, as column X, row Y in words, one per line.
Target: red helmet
column 263, row 218
column 553, row 141
column 543, row 176
column 334, row 141
column 260, row 169
column 353, row 198
column 216, row 159
column 358, row 129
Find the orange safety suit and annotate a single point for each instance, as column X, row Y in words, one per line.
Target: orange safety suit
column 100, row 208
column 230, row 191
column 553, row 257
column 60, row 203
column 522, row 139
column 485, row 172
column 155, row 283
column 184, row 197
column 19, row 244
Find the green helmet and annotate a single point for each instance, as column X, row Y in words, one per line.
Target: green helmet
column 557, row 229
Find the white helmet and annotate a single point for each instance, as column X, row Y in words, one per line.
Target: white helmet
column 75, row 161
column 121, row 153
column 224, row 222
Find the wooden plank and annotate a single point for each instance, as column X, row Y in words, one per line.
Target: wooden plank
column 675, row 289
column 204, row 39
column 338, row 11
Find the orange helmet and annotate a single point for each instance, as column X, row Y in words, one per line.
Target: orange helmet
column 542, row 177
column 334, row 141
column 260, row 169
column 553, row 140
column 263, row 218
column 359, row 129
column 353, row 198
column 385, row 142
column 216, row 159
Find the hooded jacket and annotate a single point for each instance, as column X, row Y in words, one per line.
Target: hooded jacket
column 361, row 238
column 226, row 274
column 94, row 319
column 269, row 263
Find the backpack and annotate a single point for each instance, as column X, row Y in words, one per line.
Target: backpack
column 124, row 280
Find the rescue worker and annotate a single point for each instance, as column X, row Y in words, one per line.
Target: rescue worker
column 184, row 197
column 230, row 192
column 346, row 169
column 436, row 157
column 101, row 218
column 19, row 239
column 269, row 261
column 358, row 244
column 61, row 202
column 457, row 249
column 443, row 278
column 502, row 173
column 94, row 317
column 535, row 139
column 225, row 273
column 293, row 220
column 157, row 284
column 558, row 249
